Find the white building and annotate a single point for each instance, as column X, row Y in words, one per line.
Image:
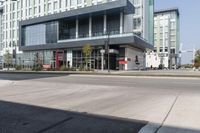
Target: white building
column 166, row 39
column 17, row 11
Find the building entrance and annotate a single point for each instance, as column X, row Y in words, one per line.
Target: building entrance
column 59, row 58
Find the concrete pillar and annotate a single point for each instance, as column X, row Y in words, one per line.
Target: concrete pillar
column 105, row 24
column 90, row 26
column 52, row 7
column 95, row 2
column 76, row 27
column 83, row 3
column 41, row 8
column 69, row 58
column 126, row 59
column 76, row 4
column 68, row 5
column 121, row 22
column 102, row 61
column 144, row 61
column 89, row 2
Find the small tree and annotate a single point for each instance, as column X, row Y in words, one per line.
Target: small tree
column 8, row 59
column 197, row 59
column 37, row 62
column 87, row 50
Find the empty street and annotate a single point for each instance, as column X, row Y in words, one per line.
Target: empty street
column 80, row 103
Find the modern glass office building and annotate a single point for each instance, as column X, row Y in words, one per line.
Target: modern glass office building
column 143, row 19
column 57, row 30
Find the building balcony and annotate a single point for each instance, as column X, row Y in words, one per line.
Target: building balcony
column 118, row 39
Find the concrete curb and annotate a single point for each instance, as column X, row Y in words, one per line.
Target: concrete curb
column 137, row 74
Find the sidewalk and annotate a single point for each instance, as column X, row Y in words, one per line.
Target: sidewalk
column 150, row 73
column 182, row 118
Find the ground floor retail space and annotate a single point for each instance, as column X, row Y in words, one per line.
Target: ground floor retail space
column 118, row 58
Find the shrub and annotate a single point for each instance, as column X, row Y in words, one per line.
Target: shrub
column 63, row 68
column 18, row 67
column 37, row 68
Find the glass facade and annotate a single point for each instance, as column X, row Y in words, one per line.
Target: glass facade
column 71, row 28
column 83, row 30
column 113, row 23
column 40, row 34
column 78, row 59
column 51, row 32
column 67, row 29
column 35, row 35
column 48, row 57
column 97, row 25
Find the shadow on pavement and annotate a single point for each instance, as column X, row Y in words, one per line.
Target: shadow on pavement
column 20, row 118
column 27, row 76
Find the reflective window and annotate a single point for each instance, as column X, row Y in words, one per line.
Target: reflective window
column 97, row 26
column 51, row 32
column 113, row 23
column 39, row 34
column 67, row 29
column 83, row 30
column 35, row 35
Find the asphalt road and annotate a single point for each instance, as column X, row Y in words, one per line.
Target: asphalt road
column 52, row 103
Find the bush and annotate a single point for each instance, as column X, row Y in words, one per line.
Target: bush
column 51, row 69
column 85, row 69
column 37, row 68
column 161, row 66
column 18, row 67
column 63, row 68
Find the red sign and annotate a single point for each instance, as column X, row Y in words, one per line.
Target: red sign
column 60, row 56
column 123, row 62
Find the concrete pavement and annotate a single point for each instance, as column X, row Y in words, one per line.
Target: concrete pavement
column 149, row 73
column 162, row 102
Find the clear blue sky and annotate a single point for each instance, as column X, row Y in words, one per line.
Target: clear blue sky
column 190, row 23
